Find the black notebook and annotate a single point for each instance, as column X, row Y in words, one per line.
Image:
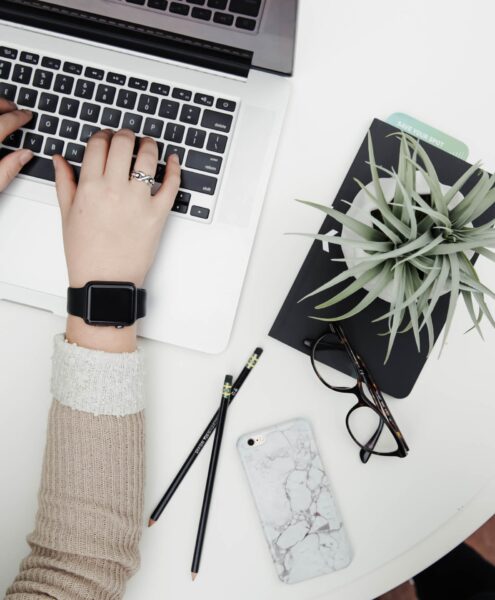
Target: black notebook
column 293, row 324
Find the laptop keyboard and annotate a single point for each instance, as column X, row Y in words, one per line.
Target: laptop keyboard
column 241, row 15
column 71, row 101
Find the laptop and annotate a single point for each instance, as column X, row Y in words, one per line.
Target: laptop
column 208, row 79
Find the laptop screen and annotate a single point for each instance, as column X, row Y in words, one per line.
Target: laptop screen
column 259, row 33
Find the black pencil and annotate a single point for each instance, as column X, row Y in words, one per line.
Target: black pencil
column 200, row 444
column 212, row 471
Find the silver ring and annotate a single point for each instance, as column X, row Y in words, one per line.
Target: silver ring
column 141, row 176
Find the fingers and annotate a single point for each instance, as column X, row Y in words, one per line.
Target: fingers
column 120, row 156
column 164, row 198
column 146, row 162
column 65, row 183
column 7, row 105
column 11, row 121
column 11, row 164
column 95, row 157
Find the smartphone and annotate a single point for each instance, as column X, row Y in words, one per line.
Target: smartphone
column 298, row 512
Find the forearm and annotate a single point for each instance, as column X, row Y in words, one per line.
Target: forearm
column 85, row 542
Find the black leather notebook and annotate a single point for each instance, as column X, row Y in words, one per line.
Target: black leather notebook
column 293, row 324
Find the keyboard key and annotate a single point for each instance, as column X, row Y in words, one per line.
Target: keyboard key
column 69, row 107
column 224, row 104
column 126, row 99
column 27, row 97
column 169, row 109
column 201, row 13
column 7, row 90
column 5, row 68
column 40, row 167
column 216, row 120
column 217, row 4
column 216, row 143
column 105, row 93
column 158, row 4
column 14, row 139
column 153, row 127
column 204, row 162
column 31, row 124
column 244, row 23
column 93, row 73
column 48, row 102
column 132, row 122
column 69, row 129
column 160, row 149
column 33, row 141
column 180, row 207
column 74, row 68
column 190, row 114
column 87, row 132
column 181, row 94
column 203, row 99
column 22, row 74
column 174, row 132
column 198, row 2
column 53, row 146
column 138, row 84
column 200, row 212
column 116, row 78
column 29, row 57
column 111, row 117
column 160, row 88
column 63, row 84
column 74, row 152
column 171, row 149
column 179, row 9
column 183, row 197
column 48, row 124
column 197, row 182
column 250, row 8
column 160, row 172
column 147, row 104
column 84, row 89
column 90, row 112
column 195, row 137
column 141, row 2
column 42, row 79
column 51, row 63
column 223, row 18
column 8, row 52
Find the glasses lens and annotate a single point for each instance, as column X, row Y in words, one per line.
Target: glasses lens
column 370, row 430
column 332, row 363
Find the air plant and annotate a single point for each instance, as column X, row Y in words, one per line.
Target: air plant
column 419, row 244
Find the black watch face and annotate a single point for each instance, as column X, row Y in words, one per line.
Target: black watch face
column 111, row 304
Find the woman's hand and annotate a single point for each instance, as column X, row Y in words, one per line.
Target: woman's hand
column 112, row 225
column 10, row 120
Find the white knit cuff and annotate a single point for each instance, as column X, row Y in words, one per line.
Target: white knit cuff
column 102, row 383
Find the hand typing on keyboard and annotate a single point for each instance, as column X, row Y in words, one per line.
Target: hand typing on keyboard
column 112, row 224
column 10, row 121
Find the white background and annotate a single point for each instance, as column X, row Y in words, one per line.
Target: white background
column 355, row 60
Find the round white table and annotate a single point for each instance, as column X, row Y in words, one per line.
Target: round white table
column 355, row 60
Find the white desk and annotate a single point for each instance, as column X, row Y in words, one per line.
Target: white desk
column 355, row 60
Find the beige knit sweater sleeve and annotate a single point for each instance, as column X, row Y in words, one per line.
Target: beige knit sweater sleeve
column 85, row 542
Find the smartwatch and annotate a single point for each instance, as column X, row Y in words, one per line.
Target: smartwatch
column 107, row 303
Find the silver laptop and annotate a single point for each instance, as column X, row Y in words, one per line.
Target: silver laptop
column 208, row 80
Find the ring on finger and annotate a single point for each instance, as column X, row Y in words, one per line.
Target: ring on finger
column 142, row 176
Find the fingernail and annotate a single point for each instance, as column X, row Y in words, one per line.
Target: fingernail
column 176, row 158
column 12, row 104
column 26, row 156
column 26, row 110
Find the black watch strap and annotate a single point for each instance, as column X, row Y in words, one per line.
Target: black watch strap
column 77, row 300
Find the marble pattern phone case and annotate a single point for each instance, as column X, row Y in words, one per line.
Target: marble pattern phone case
column 300, row 519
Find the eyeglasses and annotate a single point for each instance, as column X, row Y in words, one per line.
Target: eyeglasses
column 369, row 422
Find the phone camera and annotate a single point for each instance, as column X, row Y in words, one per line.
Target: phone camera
column 250, row 442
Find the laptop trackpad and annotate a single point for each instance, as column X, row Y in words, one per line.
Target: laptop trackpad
column 31, row 247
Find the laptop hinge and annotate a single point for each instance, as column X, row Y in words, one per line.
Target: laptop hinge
column 129, row 36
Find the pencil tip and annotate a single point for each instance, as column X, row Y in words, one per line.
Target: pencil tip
column 151, row 522
column 193, row 576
